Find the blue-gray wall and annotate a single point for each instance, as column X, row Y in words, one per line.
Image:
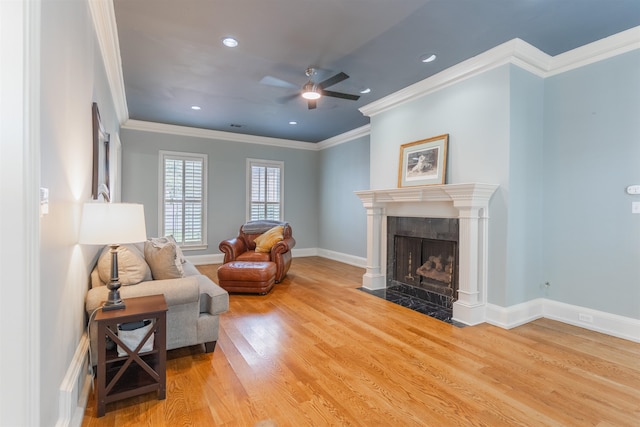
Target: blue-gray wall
column 226, row 209
column 73, row 75
column 563, row 149
column 343, row 169
column 524, row 269
column 591, row 154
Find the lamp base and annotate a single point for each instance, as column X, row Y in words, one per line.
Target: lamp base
column 113, row 302
column 113, row 306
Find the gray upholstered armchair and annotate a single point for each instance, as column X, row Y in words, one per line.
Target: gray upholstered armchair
column 242, row 247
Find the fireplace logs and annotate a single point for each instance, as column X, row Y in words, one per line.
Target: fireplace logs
column 435, row 269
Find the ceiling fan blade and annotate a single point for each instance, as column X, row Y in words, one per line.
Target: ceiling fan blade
column 340, row 95
column 334, row 80
column 311, row 104
column 274, row 81
column 285, row 99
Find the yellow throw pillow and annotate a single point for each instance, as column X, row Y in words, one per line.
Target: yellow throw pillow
column 266, row 240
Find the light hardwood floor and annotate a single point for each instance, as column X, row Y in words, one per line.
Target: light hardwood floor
column 318, row 352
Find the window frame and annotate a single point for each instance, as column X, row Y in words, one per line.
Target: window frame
column 263, row 163
column 181, row 155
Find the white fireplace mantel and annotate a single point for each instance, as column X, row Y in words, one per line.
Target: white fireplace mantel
column 467, row 202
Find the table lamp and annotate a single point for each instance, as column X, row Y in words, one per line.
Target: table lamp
column 112, row 224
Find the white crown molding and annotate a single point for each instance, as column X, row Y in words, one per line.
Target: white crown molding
column 345, row 137
column 216, row 134
column 104, row 22
column 611, row 46
column 517, row 52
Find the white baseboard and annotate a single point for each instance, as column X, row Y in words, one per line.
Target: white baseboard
column 504, row 317
column 74, row 390
column 205, row 259
column 515, row 315
column 345, row 258
column 295, row 253
column 304, row 252
column 594, row 320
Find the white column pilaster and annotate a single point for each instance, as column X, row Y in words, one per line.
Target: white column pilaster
column 470, row 306
column 374, row 278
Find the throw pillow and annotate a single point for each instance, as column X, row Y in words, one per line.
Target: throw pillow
column 179, row 253
column 132, row 268
column 266, row 240
column 163, row 260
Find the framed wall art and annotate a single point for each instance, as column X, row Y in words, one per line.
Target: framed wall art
column 423, row 162
column 100, row 181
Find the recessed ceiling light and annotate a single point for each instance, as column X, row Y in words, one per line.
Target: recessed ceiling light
column 293, row 122
column 195, row 107
column 429, row 57
column 367, row 90
column 229, row 42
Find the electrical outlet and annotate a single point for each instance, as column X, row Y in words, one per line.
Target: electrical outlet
column 587, row 318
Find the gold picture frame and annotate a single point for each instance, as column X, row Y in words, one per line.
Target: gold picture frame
column 423, row 162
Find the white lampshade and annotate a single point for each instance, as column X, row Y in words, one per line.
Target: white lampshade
column 112, row 223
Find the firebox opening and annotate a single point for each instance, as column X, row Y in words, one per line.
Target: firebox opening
column 423, row 258
column 426, row 263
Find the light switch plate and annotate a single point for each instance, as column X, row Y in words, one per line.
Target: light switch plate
column 44, row 201
column 635, row 207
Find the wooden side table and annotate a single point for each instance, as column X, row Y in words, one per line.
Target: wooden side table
column 121, row 377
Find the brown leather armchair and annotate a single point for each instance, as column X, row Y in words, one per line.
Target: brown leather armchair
column 242, row 247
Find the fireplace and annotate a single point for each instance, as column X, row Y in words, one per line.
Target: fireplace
column 423, row 253
column 468, row 204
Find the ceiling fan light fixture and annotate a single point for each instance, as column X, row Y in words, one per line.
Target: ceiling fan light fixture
column 310, row 91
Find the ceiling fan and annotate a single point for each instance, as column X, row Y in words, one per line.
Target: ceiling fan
column 313, row 91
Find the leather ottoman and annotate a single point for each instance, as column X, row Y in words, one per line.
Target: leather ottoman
column 247, row 277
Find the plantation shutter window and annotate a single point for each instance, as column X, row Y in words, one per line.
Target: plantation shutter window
column 265, row 190
column 183, row 201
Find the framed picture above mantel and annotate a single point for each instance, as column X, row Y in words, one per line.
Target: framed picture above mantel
column 423, row 162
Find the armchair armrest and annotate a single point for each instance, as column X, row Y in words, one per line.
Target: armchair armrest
column 232, row 248
column 282, row 247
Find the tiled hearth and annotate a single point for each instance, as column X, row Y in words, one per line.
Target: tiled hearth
column 410, row 297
